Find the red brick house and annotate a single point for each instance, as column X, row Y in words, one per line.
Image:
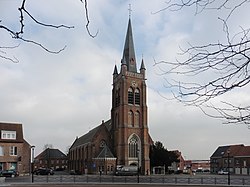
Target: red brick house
column 124, row 139
column 242, row 161
column 235, row 158
column 178, row 165
column 51, row 158
column 14, row 149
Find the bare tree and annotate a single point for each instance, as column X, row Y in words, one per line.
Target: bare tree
column 19, row 34
column 224, row 65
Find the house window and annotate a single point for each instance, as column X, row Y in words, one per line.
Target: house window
column 1, row 151
column 13, row 151
column 11, row 135
column 130, row 96
column 137, row 97
column 244, row 163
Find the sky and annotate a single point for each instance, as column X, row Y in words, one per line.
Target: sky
column 58, row 97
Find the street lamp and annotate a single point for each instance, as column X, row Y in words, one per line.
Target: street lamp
column 228, row 169
column 32, row 163
column 138, row 166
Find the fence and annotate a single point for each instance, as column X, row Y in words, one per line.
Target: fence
column 216, row 180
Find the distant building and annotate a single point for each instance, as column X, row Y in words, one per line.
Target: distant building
column 181, row 162
column 235, row 158
column 124, row 139
column 51, row 158
column 14, row 149
column 198, row 165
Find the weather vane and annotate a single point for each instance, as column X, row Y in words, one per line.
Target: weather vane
column 129, row 10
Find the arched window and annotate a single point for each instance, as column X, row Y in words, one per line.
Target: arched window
column 133, row 145
column 130, row 96
column 130, row 118
column 137, row 96
column 137, row 119
column 102, row 144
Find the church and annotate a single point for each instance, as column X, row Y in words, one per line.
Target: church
column 123, row 140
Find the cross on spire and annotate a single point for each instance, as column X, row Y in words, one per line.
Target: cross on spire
column 129, row 10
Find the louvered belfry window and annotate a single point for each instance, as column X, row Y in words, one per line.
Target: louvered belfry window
column 137, row 97
column 130, row 96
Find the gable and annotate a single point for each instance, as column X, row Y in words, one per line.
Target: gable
column 51, row 154
column 88, row 137
column 12, row 127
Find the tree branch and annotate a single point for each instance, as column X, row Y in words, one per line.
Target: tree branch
column 87, row 19
column 217, row 68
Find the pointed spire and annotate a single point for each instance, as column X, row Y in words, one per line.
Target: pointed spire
column 115, row 71
column 143, row 69
column 129, row 52
column 142, row 65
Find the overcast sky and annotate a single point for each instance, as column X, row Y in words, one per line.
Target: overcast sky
column 59, row 97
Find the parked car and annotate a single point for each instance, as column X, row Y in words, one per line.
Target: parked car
column 222, row 172
column 75, row 172
column 178, row 172
column 199, row 171
column 9, row 173
column 44, row 171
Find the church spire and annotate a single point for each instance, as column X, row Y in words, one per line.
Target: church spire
column 115, row 71
column 129, row 51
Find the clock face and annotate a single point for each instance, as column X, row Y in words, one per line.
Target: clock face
column 134, row 84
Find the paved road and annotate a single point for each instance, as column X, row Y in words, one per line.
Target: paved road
column 107, row 185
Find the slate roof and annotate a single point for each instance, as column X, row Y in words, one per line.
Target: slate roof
column 51, row 154
column 233, row 150
column 87, row 138
column 129, row 51
column 220, row 151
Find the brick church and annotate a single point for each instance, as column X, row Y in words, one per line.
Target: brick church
column 124, row 139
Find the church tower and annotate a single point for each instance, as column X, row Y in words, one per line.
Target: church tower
column 131, row 140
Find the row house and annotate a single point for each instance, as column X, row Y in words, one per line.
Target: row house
column 51, row 158
column 233, row 158
column 14, row 149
